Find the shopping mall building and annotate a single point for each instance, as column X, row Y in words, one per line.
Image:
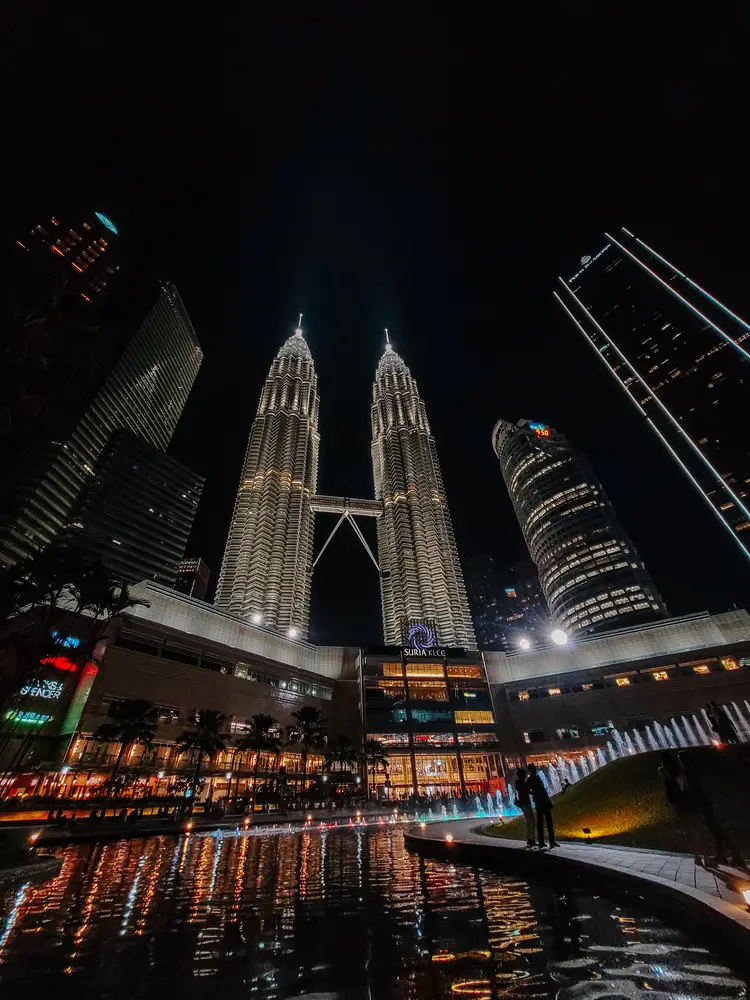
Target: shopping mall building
column 449, row 720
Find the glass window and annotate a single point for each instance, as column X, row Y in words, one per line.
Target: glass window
column 523, row 695
column 660, row 675
column 729, row 663
column 702, row 669
column 553, row 691
column 622, row 682
column 465, row 718
column 477, row 738
column 424, row 670
column 390, row 739
column 393, row 670
column 432, row 715
column 459, row 671
column 601, row 729
column 533, row 736
column 437, row 768
column 387, row 689
column 434, row 739
column 427, row 690
column 587, row 687
column 567, row 733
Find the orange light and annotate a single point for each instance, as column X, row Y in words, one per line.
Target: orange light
column 57, row 250
column 449, row 838
column 79, row 269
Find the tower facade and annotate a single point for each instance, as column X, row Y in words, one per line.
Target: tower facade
column 591, row 575
column 420, row 573
column 681, row 355
column 145, row 394
column 266, row 571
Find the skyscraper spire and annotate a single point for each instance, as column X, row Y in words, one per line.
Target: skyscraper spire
column 387, row 341
column 420, row 576
column 265, row 575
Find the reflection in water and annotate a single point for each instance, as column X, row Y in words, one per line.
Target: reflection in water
column 345, row 913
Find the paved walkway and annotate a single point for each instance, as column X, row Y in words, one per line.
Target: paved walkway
column 674, row 875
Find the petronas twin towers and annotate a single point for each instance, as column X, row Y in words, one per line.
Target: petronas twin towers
column 266, row 574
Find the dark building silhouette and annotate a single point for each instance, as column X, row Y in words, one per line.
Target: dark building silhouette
column 591, row 575
column 507, row 605
column 137, row 513
column 192, row 578
column 680, row 354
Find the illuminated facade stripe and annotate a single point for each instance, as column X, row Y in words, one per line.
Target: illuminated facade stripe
column 686, row 302
column 266, row 571
column 421, row 576
column 653, row 426
column 690, row 281
column 652, row 393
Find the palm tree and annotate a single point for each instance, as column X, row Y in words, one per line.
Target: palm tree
column 373, row 754
column 131, row 721
column 308, row 731
column 263, row 736
column 341, row 751
column 205, row 738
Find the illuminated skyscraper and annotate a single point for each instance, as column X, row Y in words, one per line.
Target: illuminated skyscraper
column 83, row 255
column 592, row 577
column 682, row 357
column 145, row 393
column 420, row 573
column 266, row 571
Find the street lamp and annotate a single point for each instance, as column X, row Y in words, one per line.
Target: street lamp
column 559, row 637
column 257, row 618
column 293, row 632
column 524, row 643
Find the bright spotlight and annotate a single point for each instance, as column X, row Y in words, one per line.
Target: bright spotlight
column 293, row 632
column 559, row 637
column 524, row 643
column 257, row 618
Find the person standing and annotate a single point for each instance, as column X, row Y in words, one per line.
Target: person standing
column 543, row 806
column 523, row 800
column 723, row 843
column 680, row 799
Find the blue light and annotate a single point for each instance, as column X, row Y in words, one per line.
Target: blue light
column 106, row 222
column 67, row 640
column 538, row 427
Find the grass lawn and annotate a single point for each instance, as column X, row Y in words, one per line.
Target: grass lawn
column 624, row 802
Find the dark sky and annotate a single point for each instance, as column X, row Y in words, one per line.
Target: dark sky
column 385, row 166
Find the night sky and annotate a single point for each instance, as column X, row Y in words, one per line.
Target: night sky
column 372, row 167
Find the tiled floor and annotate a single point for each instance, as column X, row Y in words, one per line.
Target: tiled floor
column 657, row 866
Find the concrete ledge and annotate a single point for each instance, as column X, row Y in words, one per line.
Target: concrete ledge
column 36, row 871
column 726, row 922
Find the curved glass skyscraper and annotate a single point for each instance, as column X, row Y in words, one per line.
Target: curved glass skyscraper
column 420, row 574
column 266, row 571
column 591, row 575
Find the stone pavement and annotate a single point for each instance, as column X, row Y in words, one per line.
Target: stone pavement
column 651, row 872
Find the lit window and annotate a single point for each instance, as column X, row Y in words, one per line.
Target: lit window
column 461, row 671
column 523, row 695
column 526, row 738
column 424, row 670
column 702, row 669
column 730, row 664
column 393, row 670
column 622, row 681
column 480, row 718
column 588, row 687
column 553, row 690
column 660, row 675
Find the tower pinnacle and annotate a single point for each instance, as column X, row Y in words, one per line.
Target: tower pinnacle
column 298, row 331
column 387, row 340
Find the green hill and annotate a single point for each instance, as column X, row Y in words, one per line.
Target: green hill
column 624, row 802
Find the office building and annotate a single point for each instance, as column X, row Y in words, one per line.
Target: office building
column 591, row 575
column 431, row 710
column 83, row 256
column 192, row 578
column 682, row 357
column 420, row 573
column 144, row 393
column 485, row 592
column 266, row 571
column 138, row 511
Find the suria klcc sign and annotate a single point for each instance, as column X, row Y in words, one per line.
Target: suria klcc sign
column 421, row 640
